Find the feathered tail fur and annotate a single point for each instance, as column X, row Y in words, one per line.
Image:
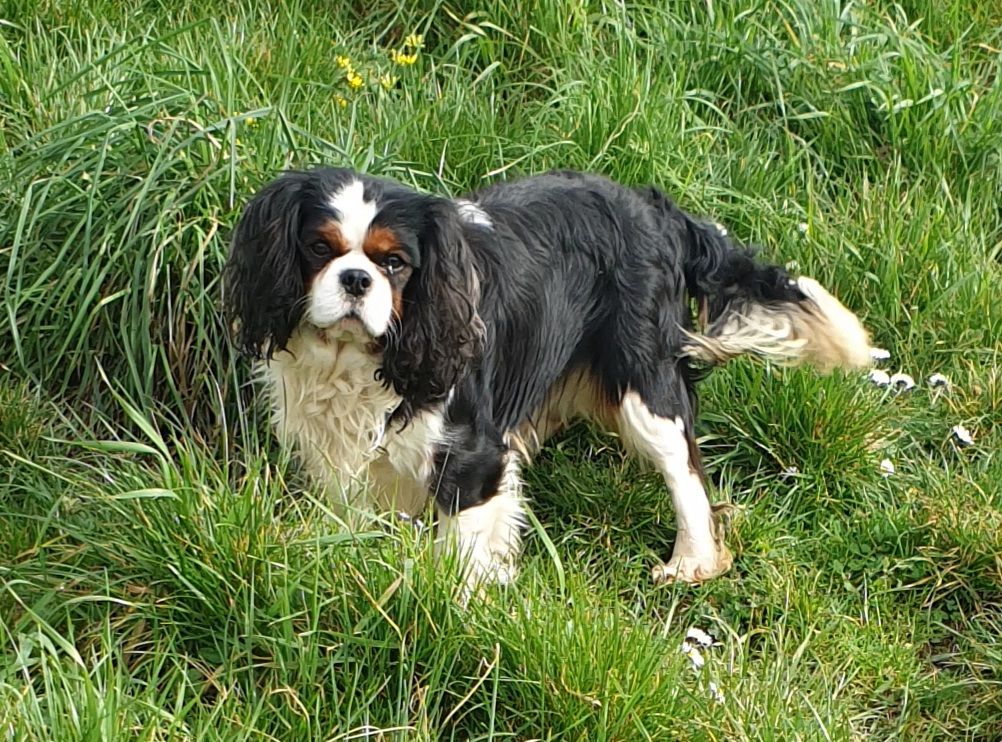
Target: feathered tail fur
column 760, row 309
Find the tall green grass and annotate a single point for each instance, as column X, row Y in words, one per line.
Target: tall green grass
column 165, row 572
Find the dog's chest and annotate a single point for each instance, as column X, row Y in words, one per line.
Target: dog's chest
column 327, row 401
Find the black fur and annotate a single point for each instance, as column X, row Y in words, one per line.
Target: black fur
column 717, row 271
column 469, row 473
column 574, row 273
column 440, row 335
column 578, row 272
column 263, row 279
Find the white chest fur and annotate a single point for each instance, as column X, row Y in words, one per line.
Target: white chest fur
column 327, row 403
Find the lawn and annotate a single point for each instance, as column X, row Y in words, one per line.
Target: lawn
column 167, row 573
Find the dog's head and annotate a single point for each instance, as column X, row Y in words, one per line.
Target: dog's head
column 332, row 253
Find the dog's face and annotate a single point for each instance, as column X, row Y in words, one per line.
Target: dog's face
column 355, row 268
column 343, row 255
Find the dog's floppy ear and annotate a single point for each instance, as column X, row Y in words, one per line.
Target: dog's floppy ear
column 440, row 333
column 263, row 280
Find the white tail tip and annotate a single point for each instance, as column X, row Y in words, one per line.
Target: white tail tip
column 819, row 331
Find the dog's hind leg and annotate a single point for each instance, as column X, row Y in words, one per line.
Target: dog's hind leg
column 666, row 439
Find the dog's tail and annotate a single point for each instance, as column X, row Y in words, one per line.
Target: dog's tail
column 749, row 307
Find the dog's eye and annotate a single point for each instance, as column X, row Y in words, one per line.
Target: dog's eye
column 392, row 263
column 320, row 249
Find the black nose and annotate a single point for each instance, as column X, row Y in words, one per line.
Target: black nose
column 356, row 282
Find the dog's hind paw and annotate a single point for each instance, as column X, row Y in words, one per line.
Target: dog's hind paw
column 693, row 569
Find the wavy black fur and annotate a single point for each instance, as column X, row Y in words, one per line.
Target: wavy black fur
column 717, row 271
column 263, row 280
column 573, row 273
column 440, row 334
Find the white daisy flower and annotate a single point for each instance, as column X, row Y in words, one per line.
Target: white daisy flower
column 700, row 637
column 718, row 695
column 886, row 467
column 878, row 377
column 880, row 354
column 902, row 382
column 695, row 656
column 962, row 435
column 938, row 380
column 696, row 639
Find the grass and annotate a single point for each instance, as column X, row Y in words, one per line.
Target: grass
column 165, row 572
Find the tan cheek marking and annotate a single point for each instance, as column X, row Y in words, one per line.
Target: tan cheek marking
column 379, row 242
column 398, row 302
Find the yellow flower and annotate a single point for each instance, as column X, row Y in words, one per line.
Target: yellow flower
column 354, row 80
column 388, row 81
column 341, row 100
column 251, row 121
column 403, row 59
column 344, row 62
column 414, row 41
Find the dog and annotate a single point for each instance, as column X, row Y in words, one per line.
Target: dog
column 417, row 347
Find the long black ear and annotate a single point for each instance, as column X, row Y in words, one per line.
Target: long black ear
column 263, row 280
column 440, row 333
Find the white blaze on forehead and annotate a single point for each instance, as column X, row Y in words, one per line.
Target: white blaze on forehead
column 356, row 214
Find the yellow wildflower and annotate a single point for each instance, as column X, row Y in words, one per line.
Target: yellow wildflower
column 341, row 100
column 344, row 62
column 402, row 58
column 388, row 81
column 251, row 121
column 354, row 80
column 414, row 41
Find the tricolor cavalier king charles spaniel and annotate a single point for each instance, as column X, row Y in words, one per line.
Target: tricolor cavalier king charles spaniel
column 420, row 347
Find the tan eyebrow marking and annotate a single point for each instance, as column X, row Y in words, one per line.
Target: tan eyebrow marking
column 331, row 234
column 381, row 241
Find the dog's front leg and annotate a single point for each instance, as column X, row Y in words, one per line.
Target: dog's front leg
column 478, row 494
